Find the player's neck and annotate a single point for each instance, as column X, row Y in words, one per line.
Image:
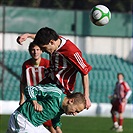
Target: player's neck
column 36, row 62
column 64, row 103
column 59, row 41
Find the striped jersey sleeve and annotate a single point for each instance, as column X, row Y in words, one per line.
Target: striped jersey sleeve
column 74, row 55
column 32, row 92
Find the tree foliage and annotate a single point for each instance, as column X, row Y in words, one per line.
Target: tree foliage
column 114, row 5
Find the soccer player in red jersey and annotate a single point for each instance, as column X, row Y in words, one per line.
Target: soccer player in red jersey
column 33, row 71
column 66, row 60
column 119, row 99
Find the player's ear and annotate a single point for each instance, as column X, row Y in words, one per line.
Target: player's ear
column 52, row 42
column 71, row 101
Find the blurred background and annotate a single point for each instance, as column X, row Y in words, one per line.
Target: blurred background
column 108, row 49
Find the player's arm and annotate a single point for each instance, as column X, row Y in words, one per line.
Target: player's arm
column 75, row 57
column 84, row 69
column 128, row 94
column 23, row 84
column 23, row 37
column 57, row 124
column 22, row 87
column 31, row 93
column 37, row 106
column 127, row 90
column 85, row 82
column 125, row 99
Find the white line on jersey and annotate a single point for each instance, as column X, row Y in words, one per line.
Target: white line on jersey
column 79, row 59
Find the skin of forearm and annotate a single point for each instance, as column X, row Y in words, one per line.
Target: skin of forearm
column 58, row 130
column 85, row 81
column 32, row 36
column 22, row 90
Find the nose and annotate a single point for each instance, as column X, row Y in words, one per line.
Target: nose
column 35, row 51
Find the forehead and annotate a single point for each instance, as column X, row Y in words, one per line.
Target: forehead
column 120, row 75
column 35, row 47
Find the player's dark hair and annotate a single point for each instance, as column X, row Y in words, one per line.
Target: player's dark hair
column 44, row 35
column 78, row 98
column 32, row 44
column 120, row 74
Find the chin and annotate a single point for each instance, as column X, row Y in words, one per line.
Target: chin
column 36, row 58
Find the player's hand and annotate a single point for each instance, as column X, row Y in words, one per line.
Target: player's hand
column 88, row 103
column 22, row 38
column 37, row 106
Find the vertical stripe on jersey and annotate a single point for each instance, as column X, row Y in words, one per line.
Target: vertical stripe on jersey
column 64, row 66
column 70, row 78
column 34, row 75
column 64, row 73
column 57, row 61
column 40, row 73
column 61, row 73
column 79, row 60
column 28, row 73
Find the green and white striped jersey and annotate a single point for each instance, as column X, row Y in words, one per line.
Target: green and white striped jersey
column 50, row 97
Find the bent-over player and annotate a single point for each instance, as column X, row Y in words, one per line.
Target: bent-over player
column 44, row 102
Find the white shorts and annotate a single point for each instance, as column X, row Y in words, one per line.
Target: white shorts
column 19, row 124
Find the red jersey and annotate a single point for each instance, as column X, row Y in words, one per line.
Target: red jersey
column 31, row 74
column 65, row 62
column 121, row 89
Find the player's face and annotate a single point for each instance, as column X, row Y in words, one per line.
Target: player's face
column 36, row 52
column 73, row 109
column 49, row 48
column 120, row 77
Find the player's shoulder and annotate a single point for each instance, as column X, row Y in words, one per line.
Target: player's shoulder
column 44, row 59
column 27, row 62
column 124, row 83
column 69, row 48
column 67, row 44
column 45, row 62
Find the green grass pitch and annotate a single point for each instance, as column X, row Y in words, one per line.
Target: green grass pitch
column 81, row 124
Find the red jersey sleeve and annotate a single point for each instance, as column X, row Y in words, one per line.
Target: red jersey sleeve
column 126, row 86
column 74, row 56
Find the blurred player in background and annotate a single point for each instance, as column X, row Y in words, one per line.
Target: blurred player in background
column 44, row 102
column 66, row 60
column 32, row 73
column 119, row 100
column 32, row 69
